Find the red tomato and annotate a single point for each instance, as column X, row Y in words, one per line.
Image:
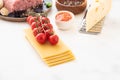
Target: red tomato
column 39, row 25
column 28, row 18
column 48, row 26
column 49, row 32
column 34, row 25
column 44, row 20
column 41, row 30
column 32, row 19
column 53, row 39
column 35, row 31
column 41, row 38
column 45, row 26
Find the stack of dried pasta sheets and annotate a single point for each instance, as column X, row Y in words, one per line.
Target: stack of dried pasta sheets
column 51, row 55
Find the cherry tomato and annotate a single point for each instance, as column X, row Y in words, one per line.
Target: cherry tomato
column 44, row 19
column 39, row 25
column 35, row 31
column 34, row 25
column 49, row 32
column 41, row 30
column 32, row 19
column 41, row 38
column 53, row 39
column 28, row 18
column 45, row 26
column 48, row 26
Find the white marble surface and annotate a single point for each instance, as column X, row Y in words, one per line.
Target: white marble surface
column 97, row 56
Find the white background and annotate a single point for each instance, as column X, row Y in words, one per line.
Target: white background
column 97, row 56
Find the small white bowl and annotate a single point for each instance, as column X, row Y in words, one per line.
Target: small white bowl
column 65, row 25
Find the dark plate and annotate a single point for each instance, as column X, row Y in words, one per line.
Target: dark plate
column 17, row 19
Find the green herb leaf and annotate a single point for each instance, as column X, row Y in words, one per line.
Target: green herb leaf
column 48, row 4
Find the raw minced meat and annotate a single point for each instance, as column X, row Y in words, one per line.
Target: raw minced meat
column 19, row 5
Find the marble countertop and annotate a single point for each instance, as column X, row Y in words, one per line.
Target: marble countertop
column 97, row 56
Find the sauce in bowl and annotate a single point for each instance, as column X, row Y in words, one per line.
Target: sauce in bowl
column 64, row 20
column 63, row 16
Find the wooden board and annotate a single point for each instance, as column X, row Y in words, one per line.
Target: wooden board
column 14, row 19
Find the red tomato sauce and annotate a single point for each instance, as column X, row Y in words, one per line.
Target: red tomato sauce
column 63, row 16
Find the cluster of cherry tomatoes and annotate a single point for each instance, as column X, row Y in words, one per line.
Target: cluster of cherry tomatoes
column 42, row 29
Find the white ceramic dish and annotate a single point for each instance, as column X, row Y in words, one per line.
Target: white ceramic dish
column 65, row 25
